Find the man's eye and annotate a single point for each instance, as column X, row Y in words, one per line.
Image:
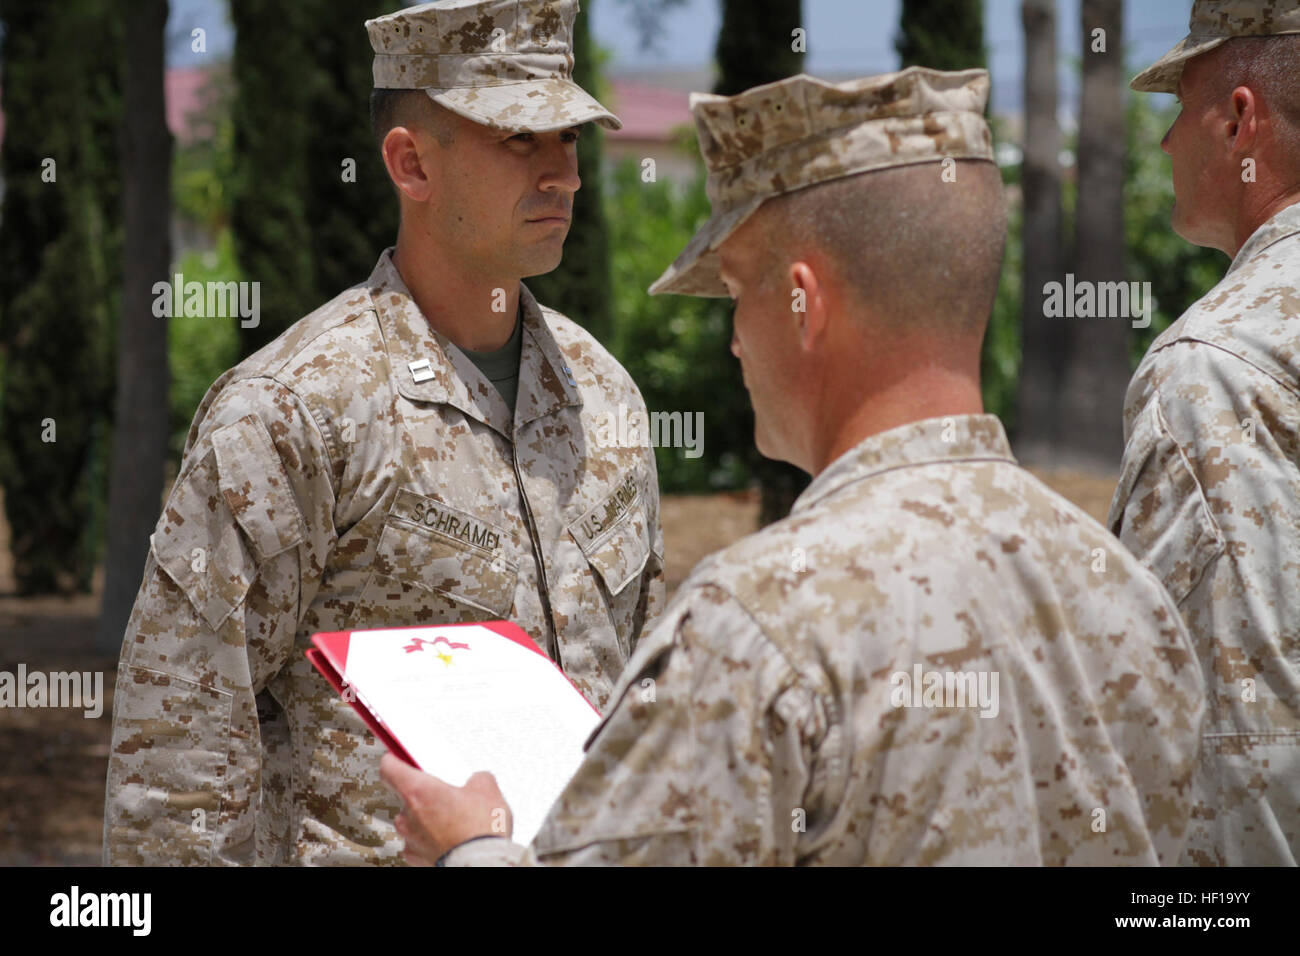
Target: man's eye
column 521, row 138
column 571, row 136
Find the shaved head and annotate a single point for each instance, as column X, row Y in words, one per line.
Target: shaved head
column 412, row 109
column 1270, row 67
column 909, row 247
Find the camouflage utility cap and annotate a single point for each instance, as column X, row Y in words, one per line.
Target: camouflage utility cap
column 501, row 63
column 802, row 131
column 1213, row 23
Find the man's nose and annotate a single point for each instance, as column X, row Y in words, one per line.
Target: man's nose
column 1164, row 143
column 561, row 170
column 735, row 344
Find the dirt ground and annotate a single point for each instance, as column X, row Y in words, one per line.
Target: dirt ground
column 53, row 761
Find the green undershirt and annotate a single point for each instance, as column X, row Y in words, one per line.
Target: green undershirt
column 501, row 366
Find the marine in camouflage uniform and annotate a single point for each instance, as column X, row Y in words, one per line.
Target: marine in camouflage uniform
column 361, row 472
column 765, row 721
column 1209, row 498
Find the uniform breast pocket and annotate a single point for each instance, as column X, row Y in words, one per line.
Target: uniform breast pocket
column 617, row 546
column 435, row 564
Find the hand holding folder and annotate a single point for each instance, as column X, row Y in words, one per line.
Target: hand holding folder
column 460, row 698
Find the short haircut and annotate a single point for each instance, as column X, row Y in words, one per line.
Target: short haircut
column 412, row 109
column 1270, row 67
column 913, row 247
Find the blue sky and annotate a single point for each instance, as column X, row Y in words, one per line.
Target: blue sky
column 843, row 35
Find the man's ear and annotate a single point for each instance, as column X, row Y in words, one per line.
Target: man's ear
column 808, row 300
column 405, row 153
column 1243, row 124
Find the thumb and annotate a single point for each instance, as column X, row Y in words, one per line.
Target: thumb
column 482, row 778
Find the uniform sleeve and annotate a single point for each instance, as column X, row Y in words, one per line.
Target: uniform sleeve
column 235, row 557
column 708, row 756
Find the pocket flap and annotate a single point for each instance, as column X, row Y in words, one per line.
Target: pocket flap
column 615, row 536
column 256, row 487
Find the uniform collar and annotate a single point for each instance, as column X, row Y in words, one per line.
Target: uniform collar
column 950, row 439
column 427, row 367
column 1283, row 225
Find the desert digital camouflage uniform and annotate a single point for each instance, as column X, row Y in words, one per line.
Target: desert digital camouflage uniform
column 1209, row 499
column 757, row 723
column 360, row 472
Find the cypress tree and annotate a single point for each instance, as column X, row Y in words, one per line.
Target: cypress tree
column 269, row 216
column 943, row 34
column 352, row 213
column 756, row 43
column 60, row 249
column 311, row 205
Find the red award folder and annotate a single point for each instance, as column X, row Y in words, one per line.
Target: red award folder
column 459, row 698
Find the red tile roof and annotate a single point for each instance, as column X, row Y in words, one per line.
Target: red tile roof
column 648, row 112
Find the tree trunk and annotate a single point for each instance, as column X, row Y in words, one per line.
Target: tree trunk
column 141, row 429
column 1044, row 341
column 1098, row 369
column 60, row 243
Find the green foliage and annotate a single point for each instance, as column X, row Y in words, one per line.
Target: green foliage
column 200, row 348
column 677, row 348
column 1179, row 272
column 60, row 280
column 202, row 169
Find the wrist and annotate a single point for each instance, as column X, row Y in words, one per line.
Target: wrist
column 442, row 860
